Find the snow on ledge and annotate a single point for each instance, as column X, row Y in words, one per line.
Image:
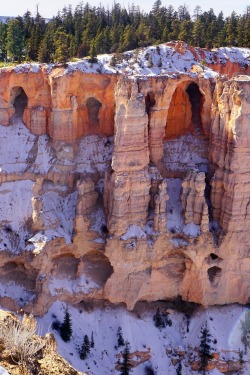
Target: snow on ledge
column 164, row 59
column 133, row 231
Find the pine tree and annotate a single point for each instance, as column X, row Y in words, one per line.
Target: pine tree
column 126, row 365
column 15, row 39
column 66, row 327
column 198, row 34
column 179, row 369
column 92, row 52
column 92, row 342
column 85, row 348
column 158, row 320
column 3, row 36
column 120, row 338
column 205, row 348
column 62, row 44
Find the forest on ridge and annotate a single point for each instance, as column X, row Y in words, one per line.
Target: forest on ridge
column 88, row 30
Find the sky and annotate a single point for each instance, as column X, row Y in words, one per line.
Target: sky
column 48, row 8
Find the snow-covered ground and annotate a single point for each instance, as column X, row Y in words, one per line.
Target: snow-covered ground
column 224, row 324
column 153, row 60
column 162, row 59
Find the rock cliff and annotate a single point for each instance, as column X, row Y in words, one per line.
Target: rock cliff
column 125, row 187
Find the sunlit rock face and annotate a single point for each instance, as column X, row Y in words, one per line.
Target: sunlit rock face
column 123, row 188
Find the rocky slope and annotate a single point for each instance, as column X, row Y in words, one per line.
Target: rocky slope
column 120, row 178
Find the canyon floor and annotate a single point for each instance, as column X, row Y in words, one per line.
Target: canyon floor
column 159, row 349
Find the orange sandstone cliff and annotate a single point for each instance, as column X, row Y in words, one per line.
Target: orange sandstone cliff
column 123, row 188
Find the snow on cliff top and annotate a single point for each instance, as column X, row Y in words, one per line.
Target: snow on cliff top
column 165, row 59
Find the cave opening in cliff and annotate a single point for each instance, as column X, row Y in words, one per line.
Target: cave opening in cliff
column 184, row 113
column 214, row 275
column 149, row 101
column 65, row 265
column 185, row 146
column 19, row 274
column 93, row 106
column 20, row 100
column 196, row 100
column 96, row 267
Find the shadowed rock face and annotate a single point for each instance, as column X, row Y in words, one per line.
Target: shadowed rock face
column 118, row 185
column 20, row 102
column 93, row 106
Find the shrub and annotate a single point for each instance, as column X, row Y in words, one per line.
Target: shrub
column 20, row 339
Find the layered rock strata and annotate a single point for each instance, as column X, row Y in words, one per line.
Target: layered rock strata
column 159, row 211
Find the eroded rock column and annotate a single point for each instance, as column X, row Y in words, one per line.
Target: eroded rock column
column 127, row 184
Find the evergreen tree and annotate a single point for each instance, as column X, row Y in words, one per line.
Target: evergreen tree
column 92, row 52
column 158, row 320
column 90, row 30
column 66, row 327
column 46, row 52
column 15, row 40
column 197, row 12
column 247, row 32
column 198, row 34
column 120, row 339
column 85, row 348
column 186, row 31
column 62, row 46
column 126, row 365
column 205, row 348
column 3, row 41
column 179, row 369
column 92, row 342
column 231, row 30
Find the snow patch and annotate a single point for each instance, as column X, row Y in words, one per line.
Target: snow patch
column 94, row 155
column 133, row 231
column 15, row 204
column 3, row 371
column 185, row 153
column 73, row 286
column 192, row 230
column 58, row 215
column 17, row 292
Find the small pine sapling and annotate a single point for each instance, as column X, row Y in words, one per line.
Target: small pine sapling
column 161, row 320
column 120, row 339
column 205, row 348
column 179, row 369
column 126, row 364
column 85, row 348
column 66, row 327
column 92, row 342
column 241, row 361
